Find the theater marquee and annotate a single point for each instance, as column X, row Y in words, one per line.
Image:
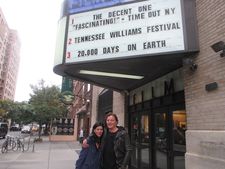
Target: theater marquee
column 135, row 29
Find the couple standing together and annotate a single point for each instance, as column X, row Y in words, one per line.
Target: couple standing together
column 108, row 148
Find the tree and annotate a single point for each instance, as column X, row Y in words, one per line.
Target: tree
column 24, row 113
column 5, row 108
column 46, row 103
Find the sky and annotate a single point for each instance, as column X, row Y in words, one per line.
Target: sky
column 36, row 22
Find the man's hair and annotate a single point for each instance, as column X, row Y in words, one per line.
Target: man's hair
column 111, row 114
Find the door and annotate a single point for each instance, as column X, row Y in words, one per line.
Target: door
column 145, row 141
column 135, row 137
column 140, row 140
column 160, row 149
column 158, row 139
column 169, row 139
column 179, row 142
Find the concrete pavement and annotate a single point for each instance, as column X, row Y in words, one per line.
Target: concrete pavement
column 46, row 155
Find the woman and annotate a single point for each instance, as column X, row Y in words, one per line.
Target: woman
column 89, row 157
column 116, row 145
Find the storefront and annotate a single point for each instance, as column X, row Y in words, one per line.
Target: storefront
column 158, row 124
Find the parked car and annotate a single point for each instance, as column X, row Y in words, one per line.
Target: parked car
column 26, row 129
column 3, row 129
column 15, row 127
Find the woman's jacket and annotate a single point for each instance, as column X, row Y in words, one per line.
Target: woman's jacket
column 89, row 158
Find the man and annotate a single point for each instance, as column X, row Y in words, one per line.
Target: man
column 116, row 147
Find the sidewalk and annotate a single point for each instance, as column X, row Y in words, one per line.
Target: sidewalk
column 46, row 155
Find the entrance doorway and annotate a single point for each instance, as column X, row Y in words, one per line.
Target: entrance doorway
column 141, row 141
column 179, row 141
column 169, row 139
column 158, row 138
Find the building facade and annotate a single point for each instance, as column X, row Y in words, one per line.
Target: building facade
column 104, row 101
column 174, row 110
column 80, row 110
column 205, row 107
column 10, row 58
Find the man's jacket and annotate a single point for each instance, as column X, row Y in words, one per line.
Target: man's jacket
column 122, row 147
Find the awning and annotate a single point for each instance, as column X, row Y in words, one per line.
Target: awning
column 83, row 109
column 150, row 67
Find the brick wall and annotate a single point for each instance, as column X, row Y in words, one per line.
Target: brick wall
column 118, row 106
column 94, row 111
column 206, row 110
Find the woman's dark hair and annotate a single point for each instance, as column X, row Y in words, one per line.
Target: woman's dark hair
column 97, row 124
column 96, row 138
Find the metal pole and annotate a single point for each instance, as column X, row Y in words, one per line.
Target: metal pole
column 33, row 146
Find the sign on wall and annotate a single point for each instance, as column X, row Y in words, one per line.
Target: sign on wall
column 67, row 84
column 135, row 29
column 62, row 126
